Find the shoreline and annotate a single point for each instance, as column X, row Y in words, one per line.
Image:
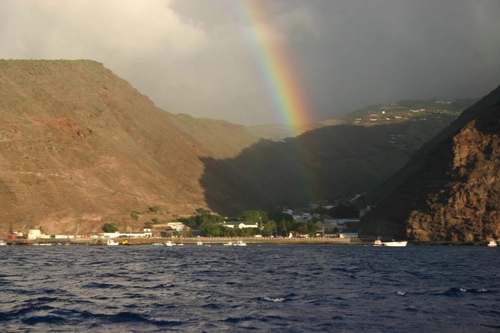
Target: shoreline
column 222, row 240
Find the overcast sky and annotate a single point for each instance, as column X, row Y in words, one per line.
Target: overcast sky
column 190, row 56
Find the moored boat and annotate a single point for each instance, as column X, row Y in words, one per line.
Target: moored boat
column 2, row 242
column 111, row 242
column 240, row 243
column 396, row 244
column 169, row 243
column 492, row 243
column 378, row 242
column 228, row 244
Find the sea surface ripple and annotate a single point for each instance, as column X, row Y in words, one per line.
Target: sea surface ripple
column 268, row 288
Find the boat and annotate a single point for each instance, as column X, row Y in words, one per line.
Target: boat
column 2, row 242
column 378, row 242
column 111, row 242
column 199, row 243
column 228, row 244
column 169, row 243
column 492, row 243
column 395, row 244
column 157, row 244
column 240, row 243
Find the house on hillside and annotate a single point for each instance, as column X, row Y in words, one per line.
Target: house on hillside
column 301, row 216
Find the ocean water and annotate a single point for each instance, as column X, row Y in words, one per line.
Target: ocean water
column 267, row 288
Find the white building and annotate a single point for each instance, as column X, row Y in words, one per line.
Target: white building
column 36, row 233
column 241, row 224
column 176, row 226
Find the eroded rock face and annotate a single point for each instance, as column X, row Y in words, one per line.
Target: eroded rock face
column 453, row 190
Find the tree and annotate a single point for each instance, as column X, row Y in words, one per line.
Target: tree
column 109, row 227
column 280, row 216
column 211, row 229
column 257, row 216
column 312, row 228
column 201, row 216
column 268, row 228
column 284, row 227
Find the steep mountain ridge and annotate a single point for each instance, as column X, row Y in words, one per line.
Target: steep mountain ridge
column 450, row 189
column 79, row 146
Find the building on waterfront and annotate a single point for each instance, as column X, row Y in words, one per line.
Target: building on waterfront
column 36, row 234
column 240, row 224
column 348, row 235
column 135, row 234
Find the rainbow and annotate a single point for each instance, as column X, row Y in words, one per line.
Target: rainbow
column 274, row 65
column 282, row 85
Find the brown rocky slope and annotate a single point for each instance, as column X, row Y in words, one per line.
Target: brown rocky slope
column 80, row 147
column 450, row 189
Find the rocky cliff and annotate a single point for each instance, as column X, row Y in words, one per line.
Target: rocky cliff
column 450, row 189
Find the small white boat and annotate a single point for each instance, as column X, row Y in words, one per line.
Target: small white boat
column 395, row 244
column 157, row 244
column 2, row 242
column 111, row 242
column 240, row 243
column 228, row 244
column 492, row 243
column 199, row 243
column 378, row 242
column 169, row 243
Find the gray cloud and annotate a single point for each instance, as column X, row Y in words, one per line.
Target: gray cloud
column 192, row 56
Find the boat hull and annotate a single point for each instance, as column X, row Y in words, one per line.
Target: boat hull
column 396, row 244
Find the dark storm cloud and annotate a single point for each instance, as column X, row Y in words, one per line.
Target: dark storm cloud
column 192, row 57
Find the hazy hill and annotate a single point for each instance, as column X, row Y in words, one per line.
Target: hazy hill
column 450, row 189
column 384, row 114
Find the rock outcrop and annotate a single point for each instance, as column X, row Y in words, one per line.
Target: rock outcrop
column 450, row 189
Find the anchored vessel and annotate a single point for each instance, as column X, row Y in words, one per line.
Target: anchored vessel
column 492, row 243
column 393, row 243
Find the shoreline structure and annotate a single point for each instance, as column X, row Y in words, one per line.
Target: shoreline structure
column 213, row 240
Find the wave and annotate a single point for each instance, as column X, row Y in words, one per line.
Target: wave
column 457, row 291
column 274, row 300
column 48, row 319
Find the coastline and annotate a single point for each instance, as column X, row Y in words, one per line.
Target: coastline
column 222, row 240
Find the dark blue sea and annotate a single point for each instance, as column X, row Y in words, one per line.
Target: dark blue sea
column 267, row 288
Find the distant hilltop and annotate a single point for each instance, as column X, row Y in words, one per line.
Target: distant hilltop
column 383, row 114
